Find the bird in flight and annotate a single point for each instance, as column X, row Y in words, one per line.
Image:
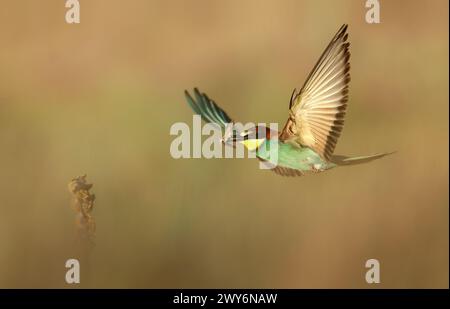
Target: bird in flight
column 316, row 118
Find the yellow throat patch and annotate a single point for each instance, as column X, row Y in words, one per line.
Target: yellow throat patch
column 252, row 144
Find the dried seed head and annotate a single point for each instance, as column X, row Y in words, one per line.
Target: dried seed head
column 83, row 204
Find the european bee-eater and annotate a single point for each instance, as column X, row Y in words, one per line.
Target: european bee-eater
column 316, row 118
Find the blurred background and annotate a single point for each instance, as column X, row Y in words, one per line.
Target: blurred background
column 99, row 98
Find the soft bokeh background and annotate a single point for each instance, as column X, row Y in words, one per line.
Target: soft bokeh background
column 100, row 97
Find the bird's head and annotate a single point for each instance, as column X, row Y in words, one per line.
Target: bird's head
column 251, row 138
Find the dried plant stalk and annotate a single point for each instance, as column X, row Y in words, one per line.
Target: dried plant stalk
column 83, row 204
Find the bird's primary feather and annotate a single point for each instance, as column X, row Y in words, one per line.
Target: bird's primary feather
column 207, row 108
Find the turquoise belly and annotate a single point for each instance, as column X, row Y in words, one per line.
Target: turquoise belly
column 304, row 158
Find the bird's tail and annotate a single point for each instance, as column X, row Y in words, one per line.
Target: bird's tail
column 344, row 160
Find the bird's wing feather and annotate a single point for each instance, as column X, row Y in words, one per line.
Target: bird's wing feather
column 282, row 170
column 286, row 171
column 317, row 111
column 207, row 108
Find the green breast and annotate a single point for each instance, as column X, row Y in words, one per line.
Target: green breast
column 304, row 158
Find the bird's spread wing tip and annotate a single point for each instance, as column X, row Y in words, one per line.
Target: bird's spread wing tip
column 206, row 108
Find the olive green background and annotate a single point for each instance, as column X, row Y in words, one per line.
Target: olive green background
column 100, row 97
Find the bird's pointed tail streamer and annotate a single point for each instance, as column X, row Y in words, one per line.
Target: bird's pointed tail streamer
column 344, row 160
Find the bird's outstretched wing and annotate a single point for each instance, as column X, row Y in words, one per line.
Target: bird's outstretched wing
column 317, row 111
column 207, row 108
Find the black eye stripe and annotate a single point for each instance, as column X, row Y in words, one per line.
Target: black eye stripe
column 253, row 133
